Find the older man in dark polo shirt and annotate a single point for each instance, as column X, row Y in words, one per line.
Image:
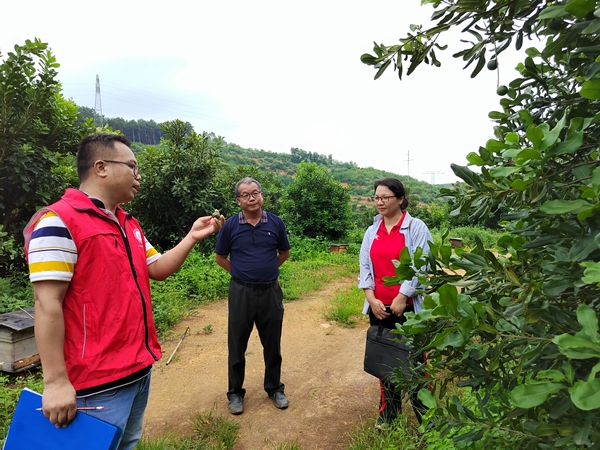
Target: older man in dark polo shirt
column 251, row 247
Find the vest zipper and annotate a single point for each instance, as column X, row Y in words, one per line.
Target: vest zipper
column 144, row 309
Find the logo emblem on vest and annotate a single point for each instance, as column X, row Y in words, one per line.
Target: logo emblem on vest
column 138, row 235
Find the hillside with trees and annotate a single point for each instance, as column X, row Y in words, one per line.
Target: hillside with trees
column 358, row 180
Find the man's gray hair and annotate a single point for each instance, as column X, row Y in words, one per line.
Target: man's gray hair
column 246, row 180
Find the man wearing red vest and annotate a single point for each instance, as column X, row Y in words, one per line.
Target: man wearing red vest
column 91, row 265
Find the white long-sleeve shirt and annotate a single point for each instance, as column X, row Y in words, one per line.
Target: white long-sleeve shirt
column 416, row 234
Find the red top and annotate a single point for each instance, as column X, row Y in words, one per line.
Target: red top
column 386, row 247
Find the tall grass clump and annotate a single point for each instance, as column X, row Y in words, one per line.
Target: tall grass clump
column 400, row 435
column 346, row 307
column 10, row 389
column 210, row 432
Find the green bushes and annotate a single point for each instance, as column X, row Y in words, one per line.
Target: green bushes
column 199, row 280
column 467, row 234
column 10, row 389
column 14, row 296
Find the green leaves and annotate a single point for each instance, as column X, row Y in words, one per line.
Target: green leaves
column 564, row 206
column 591, row 272
column 36, row 124
column 316, row 205
column 590, row 89
column 523, row 329
column 580, row 8
column 586, row 395
column 531, row 395
column 586, row 343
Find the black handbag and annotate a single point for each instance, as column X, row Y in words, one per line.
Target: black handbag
column 383, row 354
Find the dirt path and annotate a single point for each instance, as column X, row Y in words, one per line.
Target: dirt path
column 328, row 390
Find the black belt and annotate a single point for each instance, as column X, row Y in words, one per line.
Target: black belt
column 265, row 285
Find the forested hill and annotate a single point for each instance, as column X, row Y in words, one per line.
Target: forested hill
column 358, row 180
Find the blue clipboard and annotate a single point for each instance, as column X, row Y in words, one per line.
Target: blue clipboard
column 29, row 429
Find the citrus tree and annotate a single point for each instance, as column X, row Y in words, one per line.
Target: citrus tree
column 316, row 205
column 518, row 328
column 178, row 183
column 38, row 129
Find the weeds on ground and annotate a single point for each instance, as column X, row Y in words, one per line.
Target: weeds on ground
column 299, row 277
column 400, row 435
column 288, row 446
column 10, row 389
column 210, row 432
column 346, row 307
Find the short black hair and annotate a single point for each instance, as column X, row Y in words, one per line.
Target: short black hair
column 94, row 147
column 394, row 185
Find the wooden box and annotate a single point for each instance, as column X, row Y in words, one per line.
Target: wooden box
column 456, row 242
column 18, row 350
column 338, row 248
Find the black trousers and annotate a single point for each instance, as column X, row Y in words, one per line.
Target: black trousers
column 390, row 404
column 263, row 307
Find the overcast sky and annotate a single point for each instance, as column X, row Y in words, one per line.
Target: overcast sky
column 270, row 75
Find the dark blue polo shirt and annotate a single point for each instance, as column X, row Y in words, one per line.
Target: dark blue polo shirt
column 253, row 250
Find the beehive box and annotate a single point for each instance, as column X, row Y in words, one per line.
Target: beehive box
column 17, row 344
column 338, row 248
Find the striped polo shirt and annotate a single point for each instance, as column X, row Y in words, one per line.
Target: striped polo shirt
column 52, row 251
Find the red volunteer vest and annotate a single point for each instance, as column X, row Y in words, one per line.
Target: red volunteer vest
column 109, row 328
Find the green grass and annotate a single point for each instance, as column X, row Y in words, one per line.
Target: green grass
column 399, row 436
column 300, row 277
column 10, row 389
column 346, row 307
column 210, row 432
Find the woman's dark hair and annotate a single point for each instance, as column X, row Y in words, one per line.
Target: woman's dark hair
column 394, row 185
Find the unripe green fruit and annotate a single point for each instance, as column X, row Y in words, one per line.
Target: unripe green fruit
column 492, row 64
column 502, row 90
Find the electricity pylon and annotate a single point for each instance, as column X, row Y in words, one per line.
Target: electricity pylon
column 98, row 117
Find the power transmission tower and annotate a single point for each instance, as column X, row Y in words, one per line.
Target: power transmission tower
column 408, row 160
column 432, row 173
column 98, row 117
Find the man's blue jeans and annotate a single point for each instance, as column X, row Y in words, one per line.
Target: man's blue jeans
column 123, row 407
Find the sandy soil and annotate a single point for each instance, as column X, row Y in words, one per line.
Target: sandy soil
column 328, row 390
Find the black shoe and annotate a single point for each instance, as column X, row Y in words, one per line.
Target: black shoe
column 236, row 404
column 280, row 400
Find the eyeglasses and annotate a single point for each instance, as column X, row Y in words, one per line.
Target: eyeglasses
column 246, row 197
column 383, row 198
column 133, row 166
